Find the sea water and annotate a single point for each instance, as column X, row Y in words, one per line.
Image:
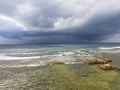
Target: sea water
column 39, row 54
column 18, row 69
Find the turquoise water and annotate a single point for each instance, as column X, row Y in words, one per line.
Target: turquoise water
column 40, row 54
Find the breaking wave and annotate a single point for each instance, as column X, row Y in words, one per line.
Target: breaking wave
column 10, row 60
column 115, row 49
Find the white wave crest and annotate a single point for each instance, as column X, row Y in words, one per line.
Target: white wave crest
column 109, row 48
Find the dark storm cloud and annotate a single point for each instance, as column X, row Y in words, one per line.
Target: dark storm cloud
column 59, row 21
column 94, row 31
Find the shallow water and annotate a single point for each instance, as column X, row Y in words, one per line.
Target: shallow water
column 59, row 77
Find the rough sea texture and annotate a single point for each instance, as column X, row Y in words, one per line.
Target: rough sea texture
column 25, row 67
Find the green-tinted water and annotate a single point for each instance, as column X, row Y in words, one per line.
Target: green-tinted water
column 60, row 77
column 83, row 78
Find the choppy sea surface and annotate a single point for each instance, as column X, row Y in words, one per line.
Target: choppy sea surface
column 25, row 67
column 38, row 55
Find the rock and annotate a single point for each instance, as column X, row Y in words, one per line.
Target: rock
column 107, row 67
column 84, row 50
column 108, row 60
column 94, row 61
column 104, row 64
column 97, row 61
column 118, row 69
column 53, row 62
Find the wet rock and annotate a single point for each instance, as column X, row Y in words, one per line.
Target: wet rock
column 97, row 61
column 94, row 61
column 84, row 50
column 107, row 67
column 108, row 60
column 118, row 69
column 53, row 62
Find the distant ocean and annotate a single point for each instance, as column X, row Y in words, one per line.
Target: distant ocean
column 38, row 55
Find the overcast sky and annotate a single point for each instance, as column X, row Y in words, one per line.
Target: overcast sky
column 59, row 21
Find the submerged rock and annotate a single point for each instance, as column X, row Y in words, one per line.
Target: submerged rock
column 108, row 60
column 53, row 62
column 107, row 67
column 96, row 61
column 84, row 50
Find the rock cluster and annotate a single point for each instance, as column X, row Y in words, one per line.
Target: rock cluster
column 103, row 64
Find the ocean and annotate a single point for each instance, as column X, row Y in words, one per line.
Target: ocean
column 25, row 67
column 40, row 54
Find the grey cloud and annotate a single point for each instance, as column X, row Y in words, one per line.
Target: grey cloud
column 82, row 20
column 95, row 31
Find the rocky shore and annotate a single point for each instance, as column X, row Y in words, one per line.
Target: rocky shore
column 58, row 75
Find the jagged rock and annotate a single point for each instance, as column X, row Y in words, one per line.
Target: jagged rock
column 94, row 61
column 53, row 62
column 97, row 61
column 107, row 67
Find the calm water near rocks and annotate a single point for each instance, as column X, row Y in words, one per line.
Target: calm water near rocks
column 25, row 67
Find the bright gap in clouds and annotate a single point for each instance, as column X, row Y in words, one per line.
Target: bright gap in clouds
column 11, row 20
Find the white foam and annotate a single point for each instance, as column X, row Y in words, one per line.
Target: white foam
column 5, row 57
column 118, row 51
column 28, row 65
column 17, row 58
column 109, row 48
